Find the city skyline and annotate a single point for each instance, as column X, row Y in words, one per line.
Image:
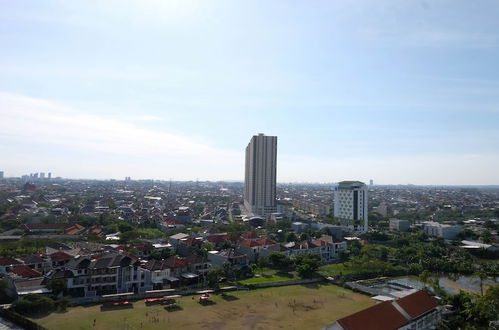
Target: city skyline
column 395, row 92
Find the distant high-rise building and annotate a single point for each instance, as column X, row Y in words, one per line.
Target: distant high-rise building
column 350, row 204
column 49, row 175
column 260, row 175
column 42, row 175
column 371, row 182
column 1, row 175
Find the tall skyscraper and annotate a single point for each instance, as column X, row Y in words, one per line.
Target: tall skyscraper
column 260, row 175
column 1, row 175
column 350, row 204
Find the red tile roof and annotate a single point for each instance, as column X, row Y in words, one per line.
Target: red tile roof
column 176, row 262
column 95, row 230
column 217, row 238
column 265, row 241
column 383, row 316
column 249, row 235
column 249, row 243
column 45, row 226
column 7, row 261
column 319, row 242
column 74, row 229
column 260, row 242
column 417, row 303
column 60, row 256
column 173, row 222
column 26, row 272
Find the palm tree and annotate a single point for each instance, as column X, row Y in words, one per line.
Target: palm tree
column 482, row 275
column 424, row 277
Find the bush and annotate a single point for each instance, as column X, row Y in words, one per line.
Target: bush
column 33, row 304
column 62, row 303
column 306, row 265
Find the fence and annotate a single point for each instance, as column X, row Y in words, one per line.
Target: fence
column 284, row 283
column 136, row 296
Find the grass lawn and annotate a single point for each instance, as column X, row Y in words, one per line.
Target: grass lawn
column 291, row 307
column 336, row 270
column 340, row 269
column 269, row 276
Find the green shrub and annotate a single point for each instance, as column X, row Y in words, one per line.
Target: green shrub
column 33, row 304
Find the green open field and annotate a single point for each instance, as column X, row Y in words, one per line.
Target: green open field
column 291, row 307
column 267, row 275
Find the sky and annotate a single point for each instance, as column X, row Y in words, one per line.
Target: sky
column 395, row 91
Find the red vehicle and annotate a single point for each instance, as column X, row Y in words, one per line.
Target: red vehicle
column 117, row 303
column 152, row 300
column 204, row 298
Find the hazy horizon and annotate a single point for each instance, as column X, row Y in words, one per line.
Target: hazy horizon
column 398, row 92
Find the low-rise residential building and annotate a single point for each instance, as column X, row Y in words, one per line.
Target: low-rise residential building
column 444, row 231
column 160, row 274
column 252, row 248
column 218, row 258
column 22, row 280
column 399, row 225
column 8, row 263
column 36, row 262
column 325, row 247
column 109, row 273
column 416, row 311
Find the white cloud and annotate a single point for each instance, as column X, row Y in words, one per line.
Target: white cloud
column 44, row 123
column 39, row 135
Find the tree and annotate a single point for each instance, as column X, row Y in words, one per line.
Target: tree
column 279, row 260
column 291, row 237
column 343, row 255
column 57, row 286
column 125, row 226
column 74, row 209
column 355, row 247
column 162, row 254
column 213, row 278
column 482, row 275
column 486, row 237
column 62, row 303
column 425, row 277
column 207, row 247
column 306, row 265
column 263, row 261
column 33, row 304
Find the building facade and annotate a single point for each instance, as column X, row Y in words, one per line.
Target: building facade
column 399, row 225
column 417, row 311
column 260, row 176
column 350, row 204
column 444, row 231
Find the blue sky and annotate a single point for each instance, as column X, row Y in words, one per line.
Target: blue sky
column 394, row 91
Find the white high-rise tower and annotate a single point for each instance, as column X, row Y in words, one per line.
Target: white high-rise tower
column 260, row 175
column 350, row 204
